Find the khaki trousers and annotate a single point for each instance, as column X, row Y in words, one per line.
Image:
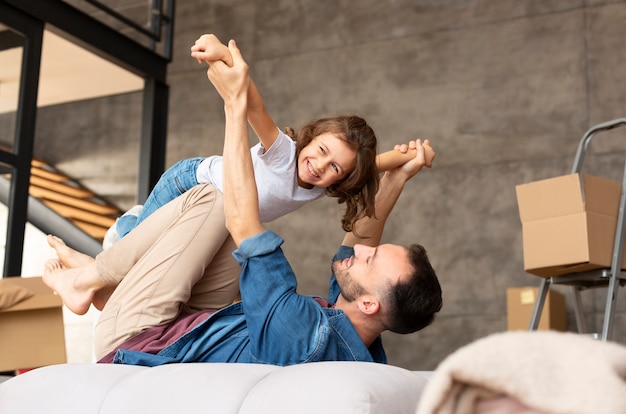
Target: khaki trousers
column 178, row 259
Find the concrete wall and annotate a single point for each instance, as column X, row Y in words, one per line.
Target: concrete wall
column 504, row 89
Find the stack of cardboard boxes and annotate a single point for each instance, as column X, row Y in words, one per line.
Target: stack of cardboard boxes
column 568, row 226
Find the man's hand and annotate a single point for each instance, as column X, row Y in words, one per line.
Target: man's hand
column 230, row 81
column 429, row 153
column 423, row 156
column 209, row 49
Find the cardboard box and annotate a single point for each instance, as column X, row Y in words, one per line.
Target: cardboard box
column 31, row 331
column 568, row 224
column 520, row 303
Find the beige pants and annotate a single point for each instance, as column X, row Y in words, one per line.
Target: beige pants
column 179, row 258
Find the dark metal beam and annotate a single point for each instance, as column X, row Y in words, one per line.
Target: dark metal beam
column 153, row 136
column 26, row 115
column 96, row 37
column 10, row 40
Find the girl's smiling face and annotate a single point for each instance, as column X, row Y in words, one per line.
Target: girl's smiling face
column 324, row 161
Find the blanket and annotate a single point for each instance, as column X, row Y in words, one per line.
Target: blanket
column 530, row 372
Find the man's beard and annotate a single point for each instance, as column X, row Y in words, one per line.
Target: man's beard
column 350, row 290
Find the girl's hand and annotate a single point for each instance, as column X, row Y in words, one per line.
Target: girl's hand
column 208, row 48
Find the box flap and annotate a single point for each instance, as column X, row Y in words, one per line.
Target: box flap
column 601, row 195
column 44, row 296
column 559, row 196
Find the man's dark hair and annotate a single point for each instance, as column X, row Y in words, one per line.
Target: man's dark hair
column 413, row 302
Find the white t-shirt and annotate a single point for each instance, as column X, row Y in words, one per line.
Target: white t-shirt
column 275, row 174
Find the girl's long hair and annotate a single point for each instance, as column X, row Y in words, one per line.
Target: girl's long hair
column 358, row 189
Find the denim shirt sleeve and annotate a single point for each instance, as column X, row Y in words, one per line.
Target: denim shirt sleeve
column 258, row 245
column 284, row 327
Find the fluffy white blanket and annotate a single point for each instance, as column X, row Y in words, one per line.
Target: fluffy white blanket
column 530, row 372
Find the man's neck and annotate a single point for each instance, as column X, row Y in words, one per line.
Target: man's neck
column 362, row 323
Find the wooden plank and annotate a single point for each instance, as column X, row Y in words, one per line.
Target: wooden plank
column 94, row 207
column 36, row 162
column 95, row 231
column 76, row 213
column 61, row 188
column 49, row 175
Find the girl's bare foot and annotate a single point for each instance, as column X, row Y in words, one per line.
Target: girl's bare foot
column 71, row 258
column 68, row 256
column 75, row 286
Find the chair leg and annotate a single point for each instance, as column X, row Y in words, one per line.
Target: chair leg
column 539, row 301
column 609, row 311
column 581, row 324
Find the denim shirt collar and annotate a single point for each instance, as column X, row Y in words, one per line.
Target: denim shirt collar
column 342, row 326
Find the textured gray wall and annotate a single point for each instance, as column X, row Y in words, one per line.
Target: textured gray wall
column 504, row 89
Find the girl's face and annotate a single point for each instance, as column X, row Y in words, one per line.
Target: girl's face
column 324, row 161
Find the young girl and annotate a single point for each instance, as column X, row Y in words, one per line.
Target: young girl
column 333, row 156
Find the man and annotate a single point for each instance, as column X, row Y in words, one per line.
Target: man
column 164, row 301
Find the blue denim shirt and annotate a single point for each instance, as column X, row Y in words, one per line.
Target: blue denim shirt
column 272, row 324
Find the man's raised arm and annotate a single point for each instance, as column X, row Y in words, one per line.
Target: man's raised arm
column 241, row 205
column 369, row 230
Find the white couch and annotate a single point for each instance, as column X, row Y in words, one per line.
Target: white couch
column 322, row 387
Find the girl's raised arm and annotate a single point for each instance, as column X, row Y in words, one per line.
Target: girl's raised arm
column 402, row 154
column 259, row 119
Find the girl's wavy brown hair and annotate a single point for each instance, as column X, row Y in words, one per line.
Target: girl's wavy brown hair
column 358, row 189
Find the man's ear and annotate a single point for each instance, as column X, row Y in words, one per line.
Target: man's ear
column 368, row 304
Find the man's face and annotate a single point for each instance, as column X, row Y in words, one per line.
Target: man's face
column 371, row 270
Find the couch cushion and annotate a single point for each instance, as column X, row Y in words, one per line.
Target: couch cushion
column 342, row 387
column 70, row 388
column 186, row 388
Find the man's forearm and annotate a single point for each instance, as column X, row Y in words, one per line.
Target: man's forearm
column 369, row 230
column 241, row 205
column 240, row 192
